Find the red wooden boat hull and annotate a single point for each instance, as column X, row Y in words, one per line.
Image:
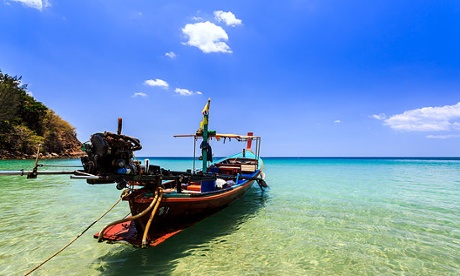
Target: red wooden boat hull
column 175, row 213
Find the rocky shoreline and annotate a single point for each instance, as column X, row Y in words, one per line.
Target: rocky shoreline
column 6, row 155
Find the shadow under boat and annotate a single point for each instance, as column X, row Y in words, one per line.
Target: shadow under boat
column 164, row 258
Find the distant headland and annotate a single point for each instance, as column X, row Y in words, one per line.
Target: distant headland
column 27, row 124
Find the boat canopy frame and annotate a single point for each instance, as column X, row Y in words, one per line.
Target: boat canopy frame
column 240, row 138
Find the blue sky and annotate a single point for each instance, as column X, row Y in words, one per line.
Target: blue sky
column 312, row 77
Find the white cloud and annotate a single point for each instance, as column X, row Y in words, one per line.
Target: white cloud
column 165, row 85
column 227, row 17
column 207, row 36
column 381, row 116
column 443, row 118
column 36, row 4
column 442, row 136
column 139, row 94
column 157, row 82
column 171, row 55
column 183, row 92
column 337, row 121
column 135, row 15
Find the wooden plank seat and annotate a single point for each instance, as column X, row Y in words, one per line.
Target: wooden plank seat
column 248, row 168
column 229, row 169
column 235, row 166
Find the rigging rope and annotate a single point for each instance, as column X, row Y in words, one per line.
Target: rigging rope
column 147, row 227
column 72, row 241
column 141, row 214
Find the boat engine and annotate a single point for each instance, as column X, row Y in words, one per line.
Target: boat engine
column 110, row 154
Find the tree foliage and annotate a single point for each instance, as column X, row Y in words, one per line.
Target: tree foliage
column 10, row 91
column 57, row 131
column 25, row 123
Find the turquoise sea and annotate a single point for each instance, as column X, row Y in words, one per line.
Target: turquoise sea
column 321, row 216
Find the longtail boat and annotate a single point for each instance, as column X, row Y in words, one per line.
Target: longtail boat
column 164, row 202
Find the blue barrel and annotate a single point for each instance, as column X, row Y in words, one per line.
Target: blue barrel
column 208, row 186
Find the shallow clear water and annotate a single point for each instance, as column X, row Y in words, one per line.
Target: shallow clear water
column 319, row 217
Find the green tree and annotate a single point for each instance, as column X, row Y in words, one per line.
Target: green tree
column 21, row 116
column 24, row 140
column 18, row 107
column 26, row 122
column 10, row 91
column 58, row 133
column 31, row 113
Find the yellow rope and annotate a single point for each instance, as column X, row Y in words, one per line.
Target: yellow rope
column 72, row 241
column 141, row 214
column 147, row 227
